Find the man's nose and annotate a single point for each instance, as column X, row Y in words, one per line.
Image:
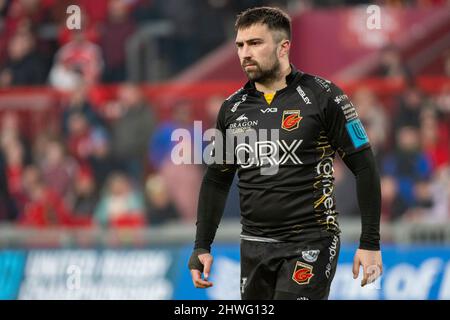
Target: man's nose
column 246, row 52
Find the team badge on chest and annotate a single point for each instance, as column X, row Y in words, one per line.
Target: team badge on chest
column 291, row 120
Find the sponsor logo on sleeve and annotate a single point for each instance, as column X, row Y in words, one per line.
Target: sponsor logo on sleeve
column 349, row 112
column 357, row 133
column 341, row 98
column 236, row 105
column 325, row 84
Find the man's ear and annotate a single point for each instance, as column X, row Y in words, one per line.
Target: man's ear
column 285, row 47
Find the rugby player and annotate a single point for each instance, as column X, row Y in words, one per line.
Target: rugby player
column 290, row 237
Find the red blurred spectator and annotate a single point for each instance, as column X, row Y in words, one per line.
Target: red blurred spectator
column 79, row 137
column 435, row 138
column 88, row 28
column 11, row 172
column 9, row 129
column 114, row 35
column 7, row 207
column 11, row 134
column 100, row 160
column 120, row 205
column 46, row 208
column 78, row 102
column 79, row 60
column 86, row 197
column 59, row 169
column 447, row 63
column 24, row 66
column 392, row 65
column 389, row 195
column 24, row 13
column 131, row 130
column 408, row 109
column 410, row 168
column 15, row 162
column 96, row 10
column 180, row 178
column 160, row 207
column 442, row 102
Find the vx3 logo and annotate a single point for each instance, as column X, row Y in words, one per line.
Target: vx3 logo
column 268, row 110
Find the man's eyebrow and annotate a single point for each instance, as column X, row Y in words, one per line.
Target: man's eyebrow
column 249, row 40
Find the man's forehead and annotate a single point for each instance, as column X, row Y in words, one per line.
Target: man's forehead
column 257, row 30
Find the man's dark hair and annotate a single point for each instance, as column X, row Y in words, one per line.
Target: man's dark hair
column 274, row 18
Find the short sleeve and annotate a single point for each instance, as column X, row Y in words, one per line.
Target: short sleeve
column 344, row 128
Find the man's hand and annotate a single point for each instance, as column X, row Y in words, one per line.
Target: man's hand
column 200, row 261
column 372, row 265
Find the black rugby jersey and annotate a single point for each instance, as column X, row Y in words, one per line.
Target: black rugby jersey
column 286, row 182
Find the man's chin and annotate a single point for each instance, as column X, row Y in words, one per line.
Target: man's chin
column 253, row 76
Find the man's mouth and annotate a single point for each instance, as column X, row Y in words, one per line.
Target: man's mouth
column 249, row 65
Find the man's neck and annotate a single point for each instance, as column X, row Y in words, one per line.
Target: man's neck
column 275, row 85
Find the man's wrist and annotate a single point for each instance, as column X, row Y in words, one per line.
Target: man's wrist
column 205, row 245
column 199, row 251
column 369, row 245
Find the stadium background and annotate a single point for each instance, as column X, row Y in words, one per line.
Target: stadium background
column 91, row 207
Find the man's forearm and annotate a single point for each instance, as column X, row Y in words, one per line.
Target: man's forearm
column 213, row 195
column 368, row 189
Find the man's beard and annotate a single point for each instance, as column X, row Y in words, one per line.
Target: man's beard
column 263, row 76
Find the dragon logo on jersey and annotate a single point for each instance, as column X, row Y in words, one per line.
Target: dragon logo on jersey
column 291, row 120
column 302, row 273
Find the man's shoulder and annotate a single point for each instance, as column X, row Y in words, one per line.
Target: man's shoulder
column 234, row 100
column 235, row 94
column 318, row 85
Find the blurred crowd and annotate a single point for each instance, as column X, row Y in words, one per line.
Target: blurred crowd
column 36, row 47
column 110, row 165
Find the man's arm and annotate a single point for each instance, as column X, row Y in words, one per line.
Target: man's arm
column 213, row 195
column 362, row 164
column 347, row 135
